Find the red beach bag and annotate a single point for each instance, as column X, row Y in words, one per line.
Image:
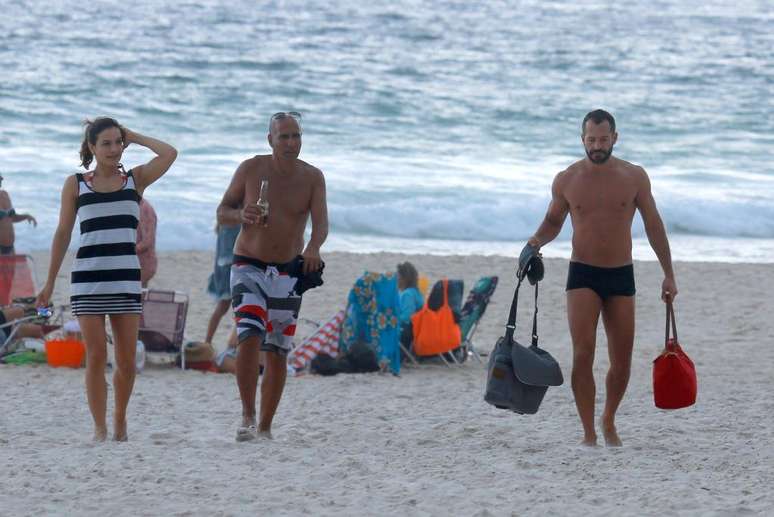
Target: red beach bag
column 674, row 374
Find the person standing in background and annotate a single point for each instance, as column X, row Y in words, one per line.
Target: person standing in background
column 220, row 288
column 218, row 285
column 8, row 217
column 146, row 242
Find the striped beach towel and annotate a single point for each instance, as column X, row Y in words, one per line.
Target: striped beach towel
column 324, row 340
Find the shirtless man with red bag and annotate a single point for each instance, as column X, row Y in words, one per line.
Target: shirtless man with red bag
column 601, row 193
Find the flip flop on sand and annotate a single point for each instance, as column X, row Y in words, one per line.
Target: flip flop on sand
column 246, row 433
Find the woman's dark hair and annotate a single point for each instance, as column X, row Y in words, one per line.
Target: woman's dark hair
column 92, row 129
column 408, row 273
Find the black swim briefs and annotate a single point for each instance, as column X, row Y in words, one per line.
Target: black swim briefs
column 605, row 281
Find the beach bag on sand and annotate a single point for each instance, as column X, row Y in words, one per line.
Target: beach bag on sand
column 674, row 374
column 519, row 376
column 435, row 331
column 359, row 358
column 323, row 364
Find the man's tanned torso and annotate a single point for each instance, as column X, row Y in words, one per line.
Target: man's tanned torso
column 290, row 198
column 601, row 205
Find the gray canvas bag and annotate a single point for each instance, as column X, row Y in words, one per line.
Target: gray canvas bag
column 519, row 376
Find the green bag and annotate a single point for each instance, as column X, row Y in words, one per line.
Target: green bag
column 25, row 357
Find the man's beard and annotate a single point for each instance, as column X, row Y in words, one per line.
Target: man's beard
column 599, row 157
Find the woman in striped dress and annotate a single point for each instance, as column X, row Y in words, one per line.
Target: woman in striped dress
column 105, row 276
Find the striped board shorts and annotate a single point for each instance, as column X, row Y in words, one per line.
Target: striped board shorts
column 265, row 303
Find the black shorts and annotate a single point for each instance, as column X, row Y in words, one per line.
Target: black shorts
column 605, row 281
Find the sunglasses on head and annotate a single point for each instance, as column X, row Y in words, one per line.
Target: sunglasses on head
column 285, row 114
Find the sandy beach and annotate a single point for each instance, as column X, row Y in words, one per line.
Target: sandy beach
column 424, row 443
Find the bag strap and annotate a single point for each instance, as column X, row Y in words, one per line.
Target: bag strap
column 445, row 292
column 510, row 328
column 670, row 319
column 534, row 319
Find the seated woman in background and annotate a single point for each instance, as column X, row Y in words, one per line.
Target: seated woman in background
column 225, row 361
column 411, row 300
column 11, row 313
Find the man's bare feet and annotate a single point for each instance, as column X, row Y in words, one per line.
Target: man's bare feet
column 611, row 435
column 247, row 431
column 100, row 434
column 589, row 440
column 119, row 433
column 264, row 431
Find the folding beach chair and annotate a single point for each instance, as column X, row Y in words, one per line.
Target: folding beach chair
column 472, row 311
column 17, row 278
column 162, row 322
column 324, row 340
column 456, row 289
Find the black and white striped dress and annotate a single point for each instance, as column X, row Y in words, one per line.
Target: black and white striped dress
column 106, row 272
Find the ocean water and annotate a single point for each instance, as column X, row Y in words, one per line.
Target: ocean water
column 439, row 124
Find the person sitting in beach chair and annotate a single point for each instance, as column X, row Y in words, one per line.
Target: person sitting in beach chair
column 11, row 315
column 411, row 300
column 225, row 361
column 18, row 289
column 371, row 319
column 21, row 321
column 201, row 355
